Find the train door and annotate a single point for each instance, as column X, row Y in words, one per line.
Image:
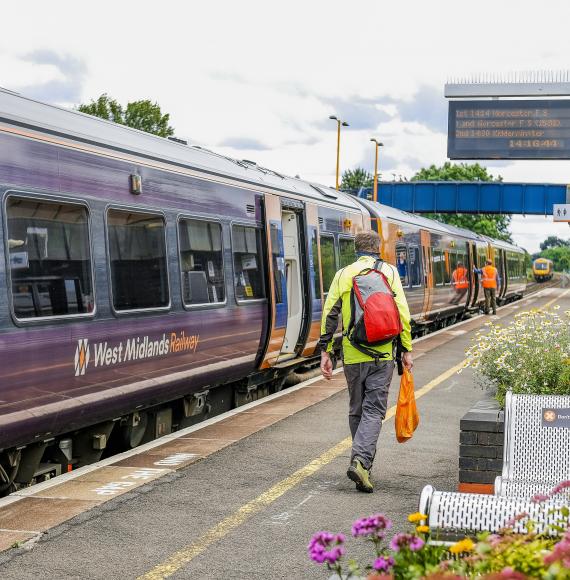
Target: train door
column 425, row 238
column 292, row 222
column 503, row 273
column 289, row 312
column 474, row 278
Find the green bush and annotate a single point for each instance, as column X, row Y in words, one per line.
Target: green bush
column 531, row 355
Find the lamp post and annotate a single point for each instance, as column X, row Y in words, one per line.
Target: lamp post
column 339, row 123
column 377, row 146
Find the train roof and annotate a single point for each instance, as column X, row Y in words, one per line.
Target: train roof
column 504, row 245
column 25, row 112
column 386, row 211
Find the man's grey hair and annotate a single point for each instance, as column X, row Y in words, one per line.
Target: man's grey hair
column 367, row 242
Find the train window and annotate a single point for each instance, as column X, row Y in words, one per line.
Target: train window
column 452, row 257
column 328, row 261
column 402, row 264
column 316, row 263
column 50, row 258
column 248, row 263
column 347, row 253
column 278, row 262
column 438, row 267
column 201, row 262
column 415, row 266
column 137, row 254
column 447, row 267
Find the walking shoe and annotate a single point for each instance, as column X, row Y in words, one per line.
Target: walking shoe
column 357, row 473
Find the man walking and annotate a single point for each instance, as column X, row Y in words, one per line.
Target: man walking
column 368, row 379
column 489, row 279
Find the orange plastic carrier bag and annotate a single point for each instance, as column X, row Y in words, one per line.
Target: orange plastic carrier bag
column 407, row 416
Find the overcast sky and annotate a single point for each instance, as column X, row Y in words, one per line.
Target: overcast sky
column 258, row 80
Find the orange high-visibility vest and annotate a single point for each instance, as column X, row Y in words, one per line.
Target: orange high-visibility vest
column 489, row 278
column 460, row 280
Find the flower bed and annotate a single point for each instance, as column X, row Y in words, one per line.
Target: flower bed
column 410, row 555
column 531, row 355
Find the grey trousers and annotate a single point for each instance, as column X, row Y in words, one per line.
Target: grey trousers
column 368, row 386
column 490, row 299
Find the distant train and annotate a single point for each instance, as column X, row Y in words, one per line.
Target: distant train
column 147, row 284
column 542, row 269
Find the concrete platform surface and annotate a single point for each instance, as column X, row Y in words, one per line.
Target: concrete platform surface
column 241, row 496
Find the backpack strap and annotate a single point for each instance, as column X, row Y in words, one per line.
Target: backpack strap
column 368, row 351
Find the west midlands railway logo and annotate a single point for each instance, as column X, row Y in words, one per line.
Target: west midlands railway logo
column 82, row 355
column 136, row 348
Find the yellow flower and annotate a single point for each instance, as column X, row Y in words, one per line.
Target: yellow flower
column 465, row 545
column 417, row 517
column 422, row 529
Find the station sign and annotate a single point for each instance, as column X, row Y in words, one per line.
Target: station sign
column 561, row 212
column 509, row 129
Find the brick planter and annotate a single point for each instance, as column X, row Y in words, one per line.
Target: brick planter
column 481, row 447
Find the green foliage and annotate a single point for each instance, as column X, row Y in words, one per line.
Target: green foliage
column 455, row 172
column 554, row 242
column 494, row 226
column 143, row 115
column 530, row 356
column 560, row 255
column 354, row 179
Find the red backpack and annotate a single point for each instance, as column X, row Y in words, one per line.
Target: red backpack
column 374, row 318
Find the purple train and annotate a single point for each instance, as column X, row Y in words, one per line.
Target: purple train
column 149, row 284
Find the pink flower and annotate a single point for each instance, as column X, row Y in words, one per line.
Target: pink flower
column 383, row 564
column 560, row 487
column 402, row 540
column 510, row 574
column 325, row 547
column 561, row 552
column 371, row 526
column 516, row 519
column 539, row 498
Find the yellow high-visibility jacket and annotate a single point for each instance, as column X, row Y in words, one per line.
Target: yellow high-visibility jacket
column 338, row 301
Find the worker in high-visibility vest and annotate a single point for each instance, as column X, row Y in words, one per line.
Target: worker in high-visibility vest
column 489, row 280
column 460, row 282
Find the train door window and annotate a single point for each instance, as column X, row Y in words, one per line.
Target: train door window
column 278, row 262
column 414, row 266
column 347, row 253
column 452, row 258
column 437, row 259
column 248, row 263
column 402, row 264
column 137, row 254
column 316, row 263
column 328, row 261
column 447, row 267
column 49, row 258
column 201, row 262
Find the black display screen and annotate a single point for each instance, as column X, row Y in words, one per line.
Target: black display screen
column 514, row 129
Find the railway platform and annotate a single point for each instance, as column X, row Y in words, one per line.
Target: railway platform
column 240, row 495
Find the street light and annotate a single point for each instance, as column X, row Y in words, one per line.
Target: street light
column 377, row 146
column 339, row 123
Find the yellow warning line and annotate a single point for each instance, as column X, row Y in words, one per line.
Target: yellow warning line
column 183, row 557
column 186, row 555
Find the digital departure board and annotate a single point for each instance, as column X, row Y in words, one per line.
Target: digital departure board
column 513, row 129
